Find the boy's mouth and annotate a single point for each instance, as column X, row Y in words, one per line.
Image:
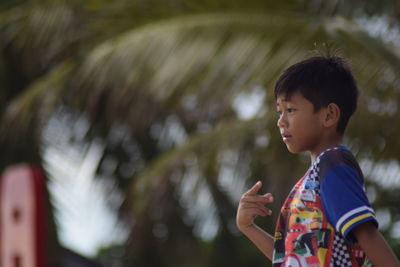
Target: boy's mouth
column 286, row 137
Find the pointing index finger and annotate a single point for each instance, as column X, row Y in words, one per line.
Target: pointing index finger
column 254, row 189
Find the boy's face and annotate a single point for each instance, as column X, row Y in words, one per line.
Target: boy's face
column 301, row 128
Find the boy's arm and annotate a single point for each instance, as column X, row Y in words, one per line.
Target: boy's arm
column 251, row 205
column 263, row 240
column 374, row 245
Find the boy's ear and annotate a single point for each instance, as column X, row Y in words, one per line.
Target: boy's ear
column 332, row 115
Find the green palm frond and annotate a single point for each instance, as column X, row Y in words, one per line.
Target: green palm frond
column 216, row 56
column 23, row 117
column 200, row 146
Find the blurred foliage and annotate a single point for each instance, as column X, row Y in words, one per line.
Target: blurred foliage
column 164, row 85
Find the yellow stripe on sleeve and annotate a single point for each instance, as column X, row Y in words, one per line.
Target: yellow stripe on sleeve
column 354, row 220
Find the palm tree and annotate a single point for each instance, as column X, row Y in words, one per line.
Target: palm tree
column 166, row 87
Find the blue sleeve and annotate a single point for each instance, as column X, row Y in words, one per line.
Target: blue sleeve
column 344, row 200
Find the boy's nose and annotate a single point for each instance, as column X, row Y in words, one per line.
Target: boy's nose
column 281, row 121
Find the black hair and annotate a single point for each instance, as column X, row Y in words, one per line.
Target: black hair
column 322, row 80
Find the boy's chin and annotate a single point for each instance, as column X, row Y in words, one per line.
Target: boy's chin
column 294, row 150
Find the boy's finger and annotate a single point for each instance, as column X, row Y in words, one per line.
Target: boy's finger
column 257, row 198
column 253, row 211
column 269, row 196
column 254, row 189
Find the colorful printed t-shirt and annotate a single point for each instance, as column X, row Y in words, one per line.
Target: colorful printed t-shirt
column 315, row 223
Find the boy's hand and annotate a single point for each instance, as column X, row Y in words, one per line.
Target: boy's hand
column 251, row 204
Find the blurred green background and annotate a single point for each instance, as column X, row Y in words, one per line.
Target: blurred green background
column 152, row 117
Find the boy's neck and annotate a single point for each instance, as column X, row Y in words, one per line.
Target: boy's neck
column 333, row 141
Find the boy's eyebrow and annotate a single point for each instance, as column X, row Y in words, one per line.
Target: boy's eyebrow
column 283, row 100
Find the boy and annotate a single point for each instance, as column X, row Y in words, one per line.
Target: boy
column 326, row 220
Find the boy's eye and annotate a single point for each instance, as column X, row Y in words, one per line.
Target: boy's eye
column 288, row 110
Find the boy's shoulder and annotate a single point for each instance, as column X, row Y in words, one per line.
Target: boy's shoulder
column 339, row 156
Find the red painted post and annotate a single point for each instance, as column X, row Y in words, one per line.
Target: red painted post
column 22, row 217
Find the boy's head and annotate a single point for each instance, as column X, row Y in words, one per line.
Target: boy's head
column 322, row 80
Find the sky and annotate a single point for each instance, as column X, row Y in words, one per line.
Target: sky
column 84, row 216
